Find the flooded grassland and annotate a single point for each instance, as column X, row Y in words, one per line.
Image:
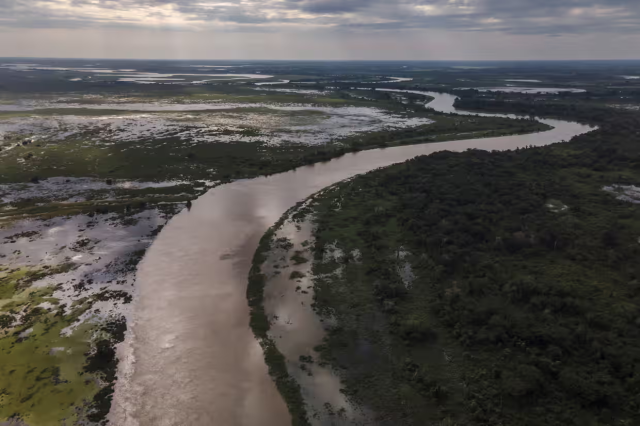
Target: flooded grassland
column 214, row 138
column 65, row 287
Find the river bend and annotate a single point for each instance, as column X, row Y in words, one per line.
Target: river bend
column 190, row 357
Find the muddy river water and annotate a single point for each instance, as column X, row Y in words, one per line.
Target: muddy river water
column 190, row 357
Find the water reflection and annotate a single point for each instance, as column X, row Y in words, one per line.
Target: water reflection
column 297, row 330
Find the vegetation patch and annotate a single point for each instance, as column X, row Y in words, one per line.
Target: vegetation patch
column 15, row 286
column 298, row 258
column 41, row 376
column 48, row 375
column 295, row 275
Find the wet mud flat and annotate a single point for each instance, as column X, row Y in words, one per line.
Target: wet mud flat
column 297, row 330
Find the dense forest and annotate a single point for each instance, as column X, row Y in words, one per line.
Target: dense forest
column 564, row 108
column 490, row 288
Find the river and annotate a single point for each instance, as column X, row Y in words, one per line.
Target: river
column 189, row 357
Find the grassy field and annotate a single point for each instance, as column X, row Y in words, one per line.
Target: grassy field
column 42, row 378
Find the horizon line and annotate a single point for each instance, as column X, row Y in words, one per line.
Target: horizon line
column 320, row 60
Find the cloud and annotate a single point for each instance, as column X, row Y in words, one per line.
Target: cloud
column 330, row 6
column 543, row 17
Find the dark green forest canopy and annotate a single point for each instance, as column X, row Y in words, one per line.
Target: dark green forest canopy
column 576, row 107
column 527, row 276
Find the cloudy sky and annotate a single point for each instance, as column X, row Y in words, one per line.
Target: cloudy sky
column 322, row 29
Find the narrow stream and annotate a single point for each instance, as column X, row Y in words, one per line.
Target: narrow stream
column 190, row 357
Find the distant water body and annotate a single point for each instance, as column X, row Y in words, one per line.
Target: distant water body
column 190, row 357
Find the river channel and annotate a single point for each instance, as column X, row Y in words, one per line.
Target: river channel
column 190, row 357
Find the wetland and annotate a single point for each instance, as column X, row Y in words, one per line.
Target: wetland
column 131, row 212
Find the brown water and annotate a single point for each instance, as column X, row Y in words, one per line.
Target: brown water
column 297, row 330
column 190, row 357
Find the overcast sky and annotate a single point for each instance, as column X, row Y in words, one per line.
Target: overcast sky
column 322, row 29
